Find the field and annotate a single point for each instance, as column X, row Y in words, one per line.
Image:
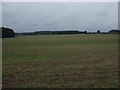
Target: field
column 61, row 61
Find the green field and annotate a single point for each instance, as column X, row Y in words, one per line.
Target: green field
column 61, row 61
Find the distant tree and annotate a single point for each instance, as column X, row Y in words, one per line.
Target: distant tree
column 1, row 32
column 7, row 32
column 85, row 32
column 114, row 31
column 98, row 31
column 56, row 32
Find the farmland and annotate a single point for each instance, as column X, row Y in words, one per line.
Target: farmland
column 60, row 61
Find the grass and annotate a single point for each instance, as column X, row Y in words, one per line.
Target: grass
column 112, row 84
column 60, row 61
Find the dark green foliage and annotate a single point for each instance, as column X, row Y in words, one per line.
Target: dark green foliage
column 0, row 32
column 6, row 32
column 114, row 31
column 85, row 32
column 65, row 32
column 51, row 32
column 98, row 31
column 43, row 32
column 57, row 32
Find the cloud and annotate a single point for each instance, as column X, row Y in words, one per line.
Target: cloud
column 60, row 16
column 119, row 15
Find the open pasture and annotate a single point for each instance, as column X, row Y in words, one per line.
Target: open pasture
column 60, row 61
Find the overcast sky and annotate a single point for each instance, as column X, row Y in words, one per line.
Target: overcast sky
column 36, row 16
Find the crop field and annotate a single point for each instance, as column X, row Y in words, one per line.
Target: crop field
column 60, row 61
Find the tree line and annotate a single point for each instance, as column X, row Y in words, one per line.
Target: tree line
column 67, row 32
column 8, row 33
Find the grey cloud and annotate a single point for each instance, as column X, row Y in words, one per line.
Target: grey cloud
column 103, row 14
column 60, row 16
column 119, row 15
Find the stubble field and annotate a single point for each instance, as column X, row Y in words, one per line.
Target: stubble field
column 60, row 61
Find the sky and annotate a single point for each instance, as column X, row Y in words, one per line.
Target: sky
column 53, row 16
